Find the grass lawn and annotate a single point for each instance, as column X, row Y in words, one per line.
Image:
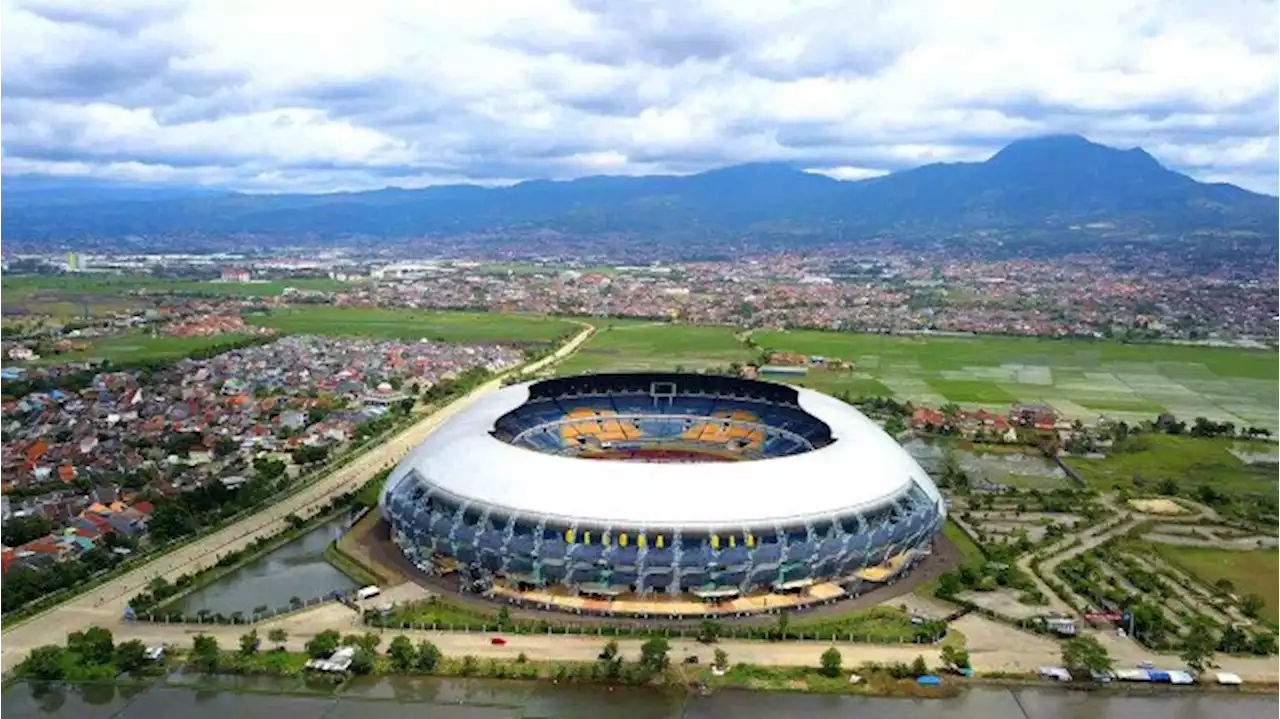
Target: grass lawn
column 972, row 392
column 649, row 346
column 969, row 549
column 132, row 348
column 416, row 324
column 1251, row 571
column 1190, row 461
column 887, row 623
column 971, row 556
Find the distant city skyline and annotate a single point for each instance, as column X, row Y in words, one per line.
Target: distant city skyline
column 276, row 96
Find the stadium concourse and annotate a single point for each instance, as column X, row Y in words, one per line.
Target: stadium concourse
column 706, row 495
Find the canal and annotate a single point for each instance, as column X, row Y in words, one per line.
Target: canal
column 433, row 698
column 296, row 569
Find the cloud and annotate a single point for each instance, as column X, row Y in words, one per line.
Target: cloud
column 320, row 95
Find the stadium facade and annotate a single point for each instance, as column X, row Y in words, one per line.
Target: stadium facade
column 656, row 482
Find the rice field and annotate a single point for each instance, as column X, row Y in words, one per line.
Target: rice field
column 1081, row 379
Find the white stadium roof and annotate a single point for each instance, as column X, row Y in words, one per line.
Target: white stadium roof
column 862, row 468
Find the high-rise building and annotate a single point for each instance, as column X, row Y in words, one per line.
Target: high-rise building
column 74, row 263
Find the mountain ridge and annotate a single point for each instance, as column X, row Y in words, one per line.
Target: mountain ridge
column 1056, row 181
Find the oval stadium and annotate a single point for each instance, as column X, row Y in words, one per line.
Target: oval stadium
column 662, row 493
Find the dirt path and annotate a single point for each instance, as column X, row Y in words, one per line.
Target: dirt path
column 107, row 602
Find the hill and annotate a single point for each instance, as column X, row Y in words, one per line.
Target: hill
column 1044, row 184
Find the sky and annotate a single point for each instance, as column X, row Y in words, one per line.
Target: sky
column 313, row 96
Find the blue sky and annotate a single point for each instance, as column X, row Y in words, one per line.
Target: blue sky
column 275, row 95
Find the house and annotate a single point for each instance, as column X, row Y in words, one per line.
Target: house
column 235, row 274
column 1034, row 416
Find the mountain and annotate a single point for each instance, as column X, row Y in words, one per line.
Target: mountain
column 1045, row 184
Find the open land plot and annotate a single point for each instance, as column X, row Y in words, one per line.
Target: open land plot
column 1081, row 378
column 19, row 288
column 1189, row 461
column 646, row 346
column 416, row 324
column 125, row 349
column 1250, row 571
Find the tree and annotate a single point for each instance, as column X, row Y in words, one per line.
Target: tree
column 919, row 667
column 20, row 530
column 428, row 656
column 955, row 658
column 1234, row 640
column 504, row 618
column 278, row 637
column 94, row 645
column 249, row 643
column 324, row 644
column 44, row 663
column 1198, row 645
column 653, row 654
column 708, row 632
column 610, row 651
column 369, row 641
column 1085, row 654
column 362, row 661
column 831, row 661
column 224, row 446
column 1251, row 605
column 131, row 655
column 1223, row 585
column 401, row 653
column 784, row 623
column 949, row 585
column 469, row 666
column 721, row 661
column 1264, row 644
column 205, row 652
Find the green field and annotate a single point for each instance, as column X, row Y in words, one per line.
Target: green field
column 416, row 324
column 125, row 349
column 91, row 284
column 1250, row 571
column 835, row 383
column 1080, row 378
column 962, row 391
column 1190, row 461
column 654, row 346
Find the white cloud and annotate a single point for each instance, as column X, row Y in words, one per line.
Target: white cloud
column 313, row 94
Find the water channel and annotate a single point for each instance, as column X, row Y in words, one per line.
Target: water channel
column 430, row 698
column 297, row 569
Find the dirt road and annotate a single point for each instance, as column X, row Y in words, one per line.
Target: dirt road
column 106, row 603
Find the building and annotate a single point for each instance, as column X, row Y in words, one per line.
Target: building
column 667, row 483
column 75, row 263
column 235, row 274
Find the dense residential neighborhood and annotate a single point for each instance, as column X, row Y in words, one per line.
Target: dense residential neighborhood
column 89, row 461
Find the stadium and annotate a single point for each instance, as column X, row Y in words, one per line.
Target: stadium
column 661, row 493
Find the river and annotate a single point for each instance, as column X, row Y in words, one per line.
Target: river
column 432, row 698
column 296, row 569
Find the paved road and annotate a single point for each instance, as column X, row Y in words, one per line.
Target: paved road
column 106, row 603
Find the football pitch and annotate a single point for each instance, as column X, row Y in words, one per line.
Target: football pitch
column 1080, row 378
